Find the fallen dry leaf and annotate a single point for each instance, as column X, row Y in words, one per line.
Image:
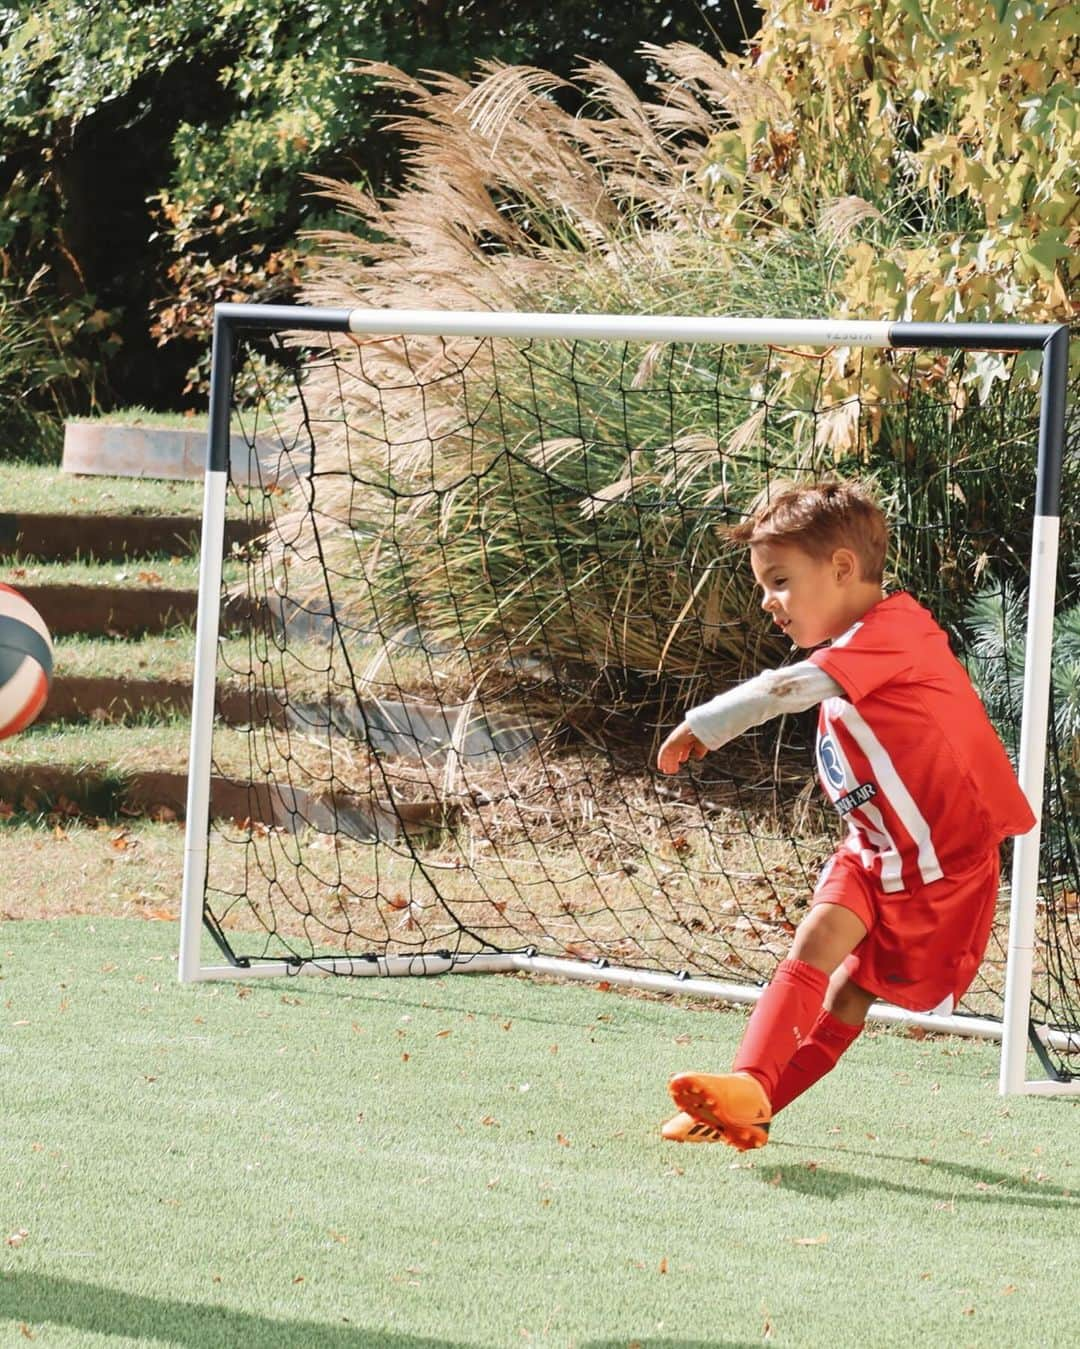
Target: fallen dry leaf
column 811, row 1241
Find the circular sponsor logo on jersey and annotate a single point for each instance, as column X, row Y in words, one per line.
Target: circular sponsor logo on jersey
column 831, row 767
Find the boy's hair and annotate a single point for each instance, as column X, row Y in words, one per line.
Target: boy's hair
column 819, row 518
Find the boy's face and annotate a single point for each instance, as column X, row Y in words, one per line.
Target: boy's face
column 811, row 599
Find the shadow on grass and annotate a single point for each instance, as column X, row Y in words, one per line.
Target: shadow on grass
column 34, row 1299
column 630, row 1018
column 670, row 1344
column 984, row 1186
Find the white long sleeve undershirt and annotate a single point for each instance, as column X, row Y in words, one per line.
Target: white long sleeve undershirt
column 769, row 694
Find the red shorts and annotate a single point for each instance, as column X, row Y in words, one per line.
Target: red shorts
column 922, row 947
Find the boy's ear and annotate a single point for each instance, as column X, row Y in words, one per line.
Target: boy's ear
column 845, row 566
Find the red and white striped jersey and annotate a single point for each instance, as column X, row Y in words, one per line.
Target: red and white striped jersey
column 909, row 756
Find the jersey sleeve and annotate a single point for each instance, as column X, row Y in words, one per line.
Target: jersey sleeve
column 773, row 693
column 870, row 654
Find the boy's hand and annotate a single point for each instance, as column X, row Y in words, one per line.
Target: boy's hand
column 682, row 744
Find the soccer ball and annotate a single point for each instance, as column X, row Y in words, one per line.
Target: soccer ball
column 26, row 662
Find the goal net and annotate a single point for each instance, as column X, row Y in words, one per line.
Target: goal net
column 490, row 575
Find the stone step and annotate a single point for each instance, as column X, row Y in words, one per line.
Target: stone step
column 109, row 538
column 115, row 611
column 118, row 612
column 94, row 698
column 98, row 790
column 409, row 730
column 142, row 449
column 85, row 697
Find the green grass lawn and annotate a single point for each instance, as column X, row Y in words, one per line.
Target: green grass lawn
column 475, row 1161
column 149, row 744
column 169, row 655
column 166, row 655
column 167, row 573
column 45, row 490
column 140, row 416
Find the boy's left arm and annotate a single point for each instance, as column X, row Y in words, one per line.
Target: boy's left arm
column 772, row 693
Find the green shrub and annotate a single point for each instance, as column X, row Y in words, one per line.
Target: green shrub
column 996, row 625
column 42, row 379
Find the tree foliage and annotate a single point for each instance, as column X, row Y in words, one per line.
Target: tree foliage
column 152, row 155
column 939, row 138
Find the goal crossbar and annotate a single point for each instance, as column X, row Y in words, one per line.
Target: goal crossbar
column 1049, row 339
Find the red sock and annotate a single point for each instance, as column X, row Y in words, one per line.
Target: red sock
column 781, row 1021
column 817, row 1055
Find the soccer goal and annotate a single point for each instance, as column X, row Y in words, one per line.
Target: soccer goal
column 488, row 579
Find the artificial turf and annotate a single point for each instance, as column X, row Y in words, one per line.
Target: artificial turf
column 473, row 1160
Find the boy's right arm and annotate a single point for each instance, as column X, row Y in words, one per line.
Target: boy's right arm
column 772, row 693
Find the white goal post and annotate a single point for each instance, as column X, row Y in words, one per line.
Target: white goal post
column 1049, row 340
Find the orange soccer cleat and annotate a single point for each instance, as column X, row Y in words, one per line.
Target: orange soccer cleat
column 733, row 1104
column 684, row 1128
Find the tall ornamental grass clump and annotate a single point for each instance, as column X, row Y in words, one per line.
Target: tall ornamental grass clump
column 575, row 517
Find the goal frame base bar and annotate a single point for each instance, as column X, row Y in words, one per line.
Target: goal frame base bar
column 644, row 981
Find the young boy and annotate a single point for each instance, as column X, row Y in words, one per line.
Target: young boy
column 907, row 755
